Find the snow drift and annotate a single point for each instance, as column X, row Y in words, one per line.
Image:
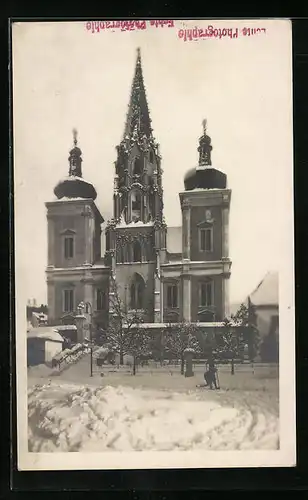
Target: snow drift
column 64, row 418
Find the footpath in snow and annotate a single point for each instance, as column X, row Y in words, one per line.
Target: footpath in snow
column 66, row 417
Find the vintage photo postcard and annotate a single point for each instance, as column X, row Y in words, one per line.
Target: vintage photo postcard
column 153, row 212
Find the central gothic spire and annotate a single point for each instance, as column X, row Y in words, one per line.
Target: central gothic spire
column 138, row 192
column 138, row 120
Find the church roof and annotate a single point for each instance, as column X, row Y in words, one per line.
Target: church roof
column 267, row 291
column 174, row 239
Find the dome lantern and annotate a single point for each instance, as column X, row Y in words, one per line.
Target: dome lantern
column 204, row 176
column 74, row 186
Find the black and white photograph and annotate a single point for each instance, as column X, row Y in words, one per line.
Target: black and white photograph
column 154, row 267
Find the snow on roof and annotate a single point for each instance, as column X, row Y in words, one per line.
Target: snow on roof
column 65, row 198
column 74, row 178
column 46, row 333
column 215, row 324
column 198, row 189
column 139, row 223
column 97, row 265
column 174, row 239
column 100, row 265
column 65, row 327
column 173, row 261
column 267, row 292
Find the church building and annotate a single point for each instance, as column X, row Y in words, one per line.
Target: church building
column 167, row 274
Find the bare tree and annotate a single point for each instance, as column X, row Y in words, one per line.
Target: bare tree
column 179, row 337
column 239, row 331
column 246, row 321
column 230, row 343
column 123, row 324
column 138, row 345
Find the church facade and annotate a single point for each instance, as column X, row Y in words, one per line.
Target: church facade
column 167, row 274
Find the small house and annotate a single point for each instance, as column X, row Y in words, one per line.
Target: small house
column 43, row 343
column 265, row 299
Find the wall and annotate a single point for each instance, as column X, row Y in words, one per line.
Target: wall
column 100, row 318
column 35, row 351
column 76, row 223
column 197, row 215
column 34, row 321
column 97, row 241
column 51, row 349
column 66, row 218
column 264, row 315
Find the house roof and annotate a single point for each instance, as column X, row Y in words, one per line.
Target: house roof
column 46, row 333
column 267, row 291
column 41, row 316
column 174, row 239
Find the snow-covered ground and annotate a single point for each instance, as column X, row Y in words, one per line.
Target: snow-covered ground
column 69, row 417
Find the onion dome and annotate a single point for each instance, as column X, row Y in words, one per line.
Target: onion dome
column 204, row 176
column 74, row 186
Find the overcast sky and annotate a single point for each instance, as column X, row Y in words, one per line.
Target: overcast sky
column 64, row 76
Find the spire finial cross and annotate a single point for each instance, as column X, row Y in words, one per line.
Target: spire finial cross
column 75, row 136
column 204, row 124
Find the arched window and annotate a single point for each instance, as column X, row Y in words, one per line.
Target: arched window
column 100, row 299
column 124, row 253
column 136, row 251
column 133, row 296
column 206, row 293
column 120, row 254
column 172, row 296
column 136, row 201
column 137, row 292
column 107, row 240
column 138, row 166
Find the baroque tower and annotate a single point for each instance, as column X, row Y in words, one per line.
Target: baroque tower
column 136, row 235
column 205, row 205
column 75, row 271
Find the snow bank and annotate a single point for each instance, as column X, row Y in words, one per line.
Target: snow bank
column 71, row 418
